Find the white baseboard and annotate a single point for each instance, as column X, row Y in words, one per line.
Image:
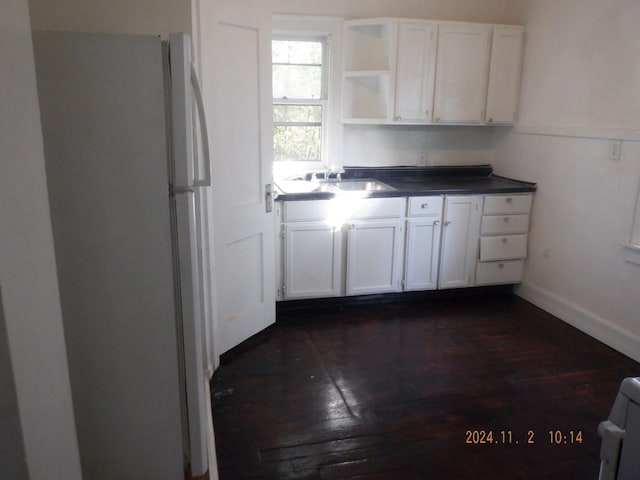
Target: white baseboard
column 597, row 327
column 211, row 439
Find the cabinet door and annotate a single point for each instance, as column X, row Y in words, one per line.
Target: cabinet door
column 374, row 250
column 504, row 74
column 460, row 236
column 312, row 260
column 461, row 73
column 415, row 71
column 422, row 253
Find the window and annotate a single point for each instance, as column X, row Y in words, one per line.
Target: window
column 632, row 249
column 299, row 99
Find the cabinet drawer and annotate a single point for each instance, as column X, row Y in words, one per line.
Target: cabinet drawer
column 423, row 206
column 366, row 208
column 504, row 224
column 503, row 247
column 506, row 204
column 306, row 210
column 495, row 273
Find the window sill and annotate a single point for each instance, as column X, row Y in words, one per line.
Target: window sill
column 632, row 253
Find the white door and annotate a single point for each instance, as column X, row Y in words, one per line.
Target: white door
column 460, row 237
column 504, row 74
column 422, row 253
column 236, row 64
column 415, row 71
column 374, row 249
column 461, row 73
column 312, row 260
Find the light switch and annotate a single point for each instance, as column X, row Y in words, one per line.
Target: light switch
column 614, row 149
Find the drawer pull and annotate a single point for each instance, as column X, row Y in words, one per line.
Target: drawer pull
column 501, row 265
column 507, row 219
column 447, row 224
column 509, row 199
column 424, row 205
column 505, row 240
column 353, row 225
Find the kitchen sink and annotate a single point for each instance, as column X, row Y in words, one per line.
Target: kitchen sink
column 361, row 185
column 303, row 186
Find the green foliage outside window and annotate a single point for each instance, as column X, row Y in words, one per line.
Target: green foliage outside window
column 298, row 100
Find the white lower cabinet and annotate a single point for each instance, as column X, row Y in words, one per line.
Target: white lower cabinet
column 422, row 249
column 374, row 252
column 461, row 226
column 311, row 251
column 350, row 246
column 503, row 239
column 499, row 273
column 375, row 245
column 312, row 260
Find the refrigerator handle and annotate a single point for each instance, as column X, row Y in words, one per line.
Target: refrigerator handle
column 197, row 94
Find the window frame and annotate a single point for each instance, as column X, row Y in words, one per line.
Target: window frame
column 632, row 248
column 323, row 101
column 309, row 27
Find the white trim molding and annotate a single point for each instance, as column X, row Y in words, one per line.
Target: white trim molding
column 628, row 135
column 601, row 329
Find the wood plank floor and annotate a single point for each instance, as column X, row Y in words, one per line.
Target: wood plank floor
column 396, row 390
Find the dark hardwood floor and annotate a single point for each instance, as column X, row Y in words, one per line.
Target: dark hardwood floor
column 397, row 390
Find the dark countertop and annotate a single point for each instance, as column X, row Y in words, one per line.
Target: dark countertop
column 416, row 181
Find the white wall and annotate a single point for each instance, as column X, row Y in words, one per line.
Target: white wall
column 406, row 145
column 114, row 16
column 581, row 87
column 376, row 146
column 28, row 279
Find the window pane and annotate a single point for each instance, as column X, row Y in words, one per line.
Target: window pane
column 297, row 113
column 297, row 82
column 296, row 143
column 294, row 51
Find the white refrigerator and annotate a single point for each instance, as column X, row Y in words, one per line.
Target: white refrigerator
column 127, row 172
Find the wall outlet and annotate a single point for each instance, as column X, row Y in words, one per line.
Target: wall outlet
column 614, row 149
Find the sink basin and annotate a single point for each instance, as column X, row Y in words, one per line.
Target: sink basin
column 302, row 186
column 362, row 185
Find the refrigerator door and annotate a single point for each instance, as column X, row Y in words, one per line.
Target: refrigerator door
column 104, row 128
column 190, row 328
column 188, row 173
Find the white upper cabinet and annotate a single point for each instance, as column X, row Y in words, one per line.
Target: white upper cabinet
column 368, row 67
column 415, row 71
column 402, row 71
column 504, row 74
column 462, row 73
